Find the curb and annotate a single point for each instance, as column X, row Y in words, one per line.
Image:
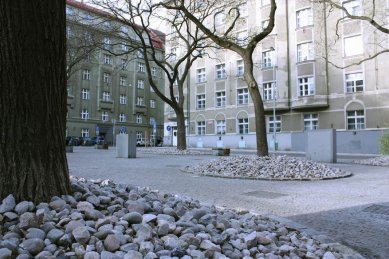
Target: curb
column 346, row 251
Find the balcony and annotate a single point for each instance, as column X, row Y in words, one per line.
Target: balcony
column 140, row 109
column 106, row 105
column 308, row 102
column 281, row 104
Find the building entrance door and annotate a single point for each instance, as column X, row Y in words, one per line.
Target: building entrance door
column 174, row 136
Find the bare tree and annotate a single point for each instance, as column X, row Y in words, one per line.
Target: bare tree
column 200, row 13
column 175, row 67
column 371, row 14
column 33, row 163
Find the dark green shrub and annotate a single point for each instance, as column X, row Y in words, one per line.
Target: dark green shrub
column 384, row 144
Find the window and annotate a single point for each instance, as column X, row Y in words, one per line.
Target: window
column 173, row 54
column 353, row 45
column 221, row 127
column 305, row 51
column 107, row 43
column 85, row 133
column 123, row 99
column 306, row 86
column 239, row 68
column 106, row 96
column 220, row 99
column 69, row 32
column 304, row 18
column 265, row 2
column 242, row 38
column 140, row 101
column 201, row 128
column 124, row 63
column 354, row 82
column 154, row 71
column 107, row 59
column 243, row 126
column 139, row 136
column 124, row 47
column 69, row 11
column 140, row 84
column 353, row 7
column 122, row 117
column 200, row 101
column 141, row 67
column 152, row 103
column 200, row 75
column 104, row 116
column 139, row 119
column 84, row 114
column 267, row 58
column 268, row 91
column 220, row 71
column 86, row 74
column 276, row 123
column 140, row 54
column 355, row 120
column 311, row 121
column 123, row 81
column 68, row 91
column 85, row 94
column 220, row 18
column 124, row 30
column 243, row 96
column 107, row 78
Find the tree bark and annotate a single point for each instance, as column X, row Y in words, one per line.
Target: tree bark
column 33, row 163
column 181, row 131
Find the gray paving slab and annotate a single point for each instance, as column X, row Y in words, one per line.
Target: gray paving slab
column 351, row 211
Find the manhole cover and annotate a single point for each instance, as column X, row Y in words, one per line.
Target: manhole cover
column 173, row 166
column 377, row 209
column 265, row 194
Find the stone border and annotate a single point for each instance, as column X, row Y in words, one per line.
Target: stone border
column 269, row 179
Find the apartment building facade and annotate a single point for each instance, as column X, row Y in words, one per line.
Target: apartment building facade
column 301, row 86
column 109, row 93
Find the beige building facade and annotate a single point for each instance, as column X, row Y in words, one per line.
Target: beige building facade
column 298, row 78
column 109, row 93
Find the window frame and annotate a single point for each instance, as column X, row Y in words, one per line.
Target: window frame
column 85, row 94
column 104, row 116
column 122, row 99
column 304, row 17
column 86, row 74
column 220, row 99
column 221, row 127
column 307, row 88
column 200, row 101
column 311, row 121
column 278, row 124
column 268, row 90
column 106, row 96
column 243, row 126
column 354, row 88
column 84, row 114
column 220, row 71
column 200, row 75
column 355, row 116
column 305, row 51
column 122, row 117
column 200, row 128
column 242, row 96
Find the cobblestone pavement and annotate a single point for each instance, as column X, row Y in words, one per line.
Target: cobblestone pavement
column 353, row 211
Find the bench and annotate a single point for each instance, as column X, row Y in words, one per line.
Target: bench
column 222, row 151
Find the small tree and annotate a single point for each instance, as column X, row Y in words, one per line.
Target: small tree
column 201, row 13
column 139, row 17
column 33, row 163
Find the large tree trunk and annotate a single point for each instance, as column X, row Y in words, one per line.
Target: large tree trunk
column 33, row 163
column 260, row 122
column 181, row 131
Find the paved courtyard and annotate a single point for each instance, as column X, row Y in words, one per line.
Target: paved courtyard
column 353, row 211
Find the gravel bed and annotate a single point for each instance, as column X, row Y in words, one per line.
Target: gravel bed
column 269, row 167
column 173, row 151
column 376, row 161
column 104, row 220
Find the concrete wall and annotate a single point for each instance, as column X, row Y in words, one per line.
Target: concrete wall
column 357, row 142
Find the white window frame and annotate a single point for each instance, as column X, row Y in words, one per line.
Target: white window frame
column 85, row 94
column 140, row 84
column 268, row 91
column 122, row 117
column 139, row 119
column 85, row 133
column 200, row 101
column 86, row 74
column 139, row 135
column 106, row 96
column 152, row 103
column 220, row 71
column 200, row 75
column 221, row 127
column 104, row 116
column 124, row 63
column 140, row 101
column 107, row 43
column 123, row 81
column 243, row 126
column 220, row 99
column 306, row 86
column 354, row 82
column 357, row 119
column 311, row 121
column 84, row 114
column 107, row 59
column 277, row 124
column 305, row 51
column 304, row 17
column 123, row 99
column 265, row 2
column 141, row 67
column 154, row 71
column 353, row 45
column 220, row 18
column 106, row 77
column 267, row 58
column 242, row 38
column 200, row 128
column 353, row 7
column 239, row 67
column 242, row 96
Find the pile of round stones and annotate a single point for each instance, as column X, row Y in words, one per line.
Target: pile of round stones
column 105, row 220
column 376, row 161
column 269, row 167
column 173, row 151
